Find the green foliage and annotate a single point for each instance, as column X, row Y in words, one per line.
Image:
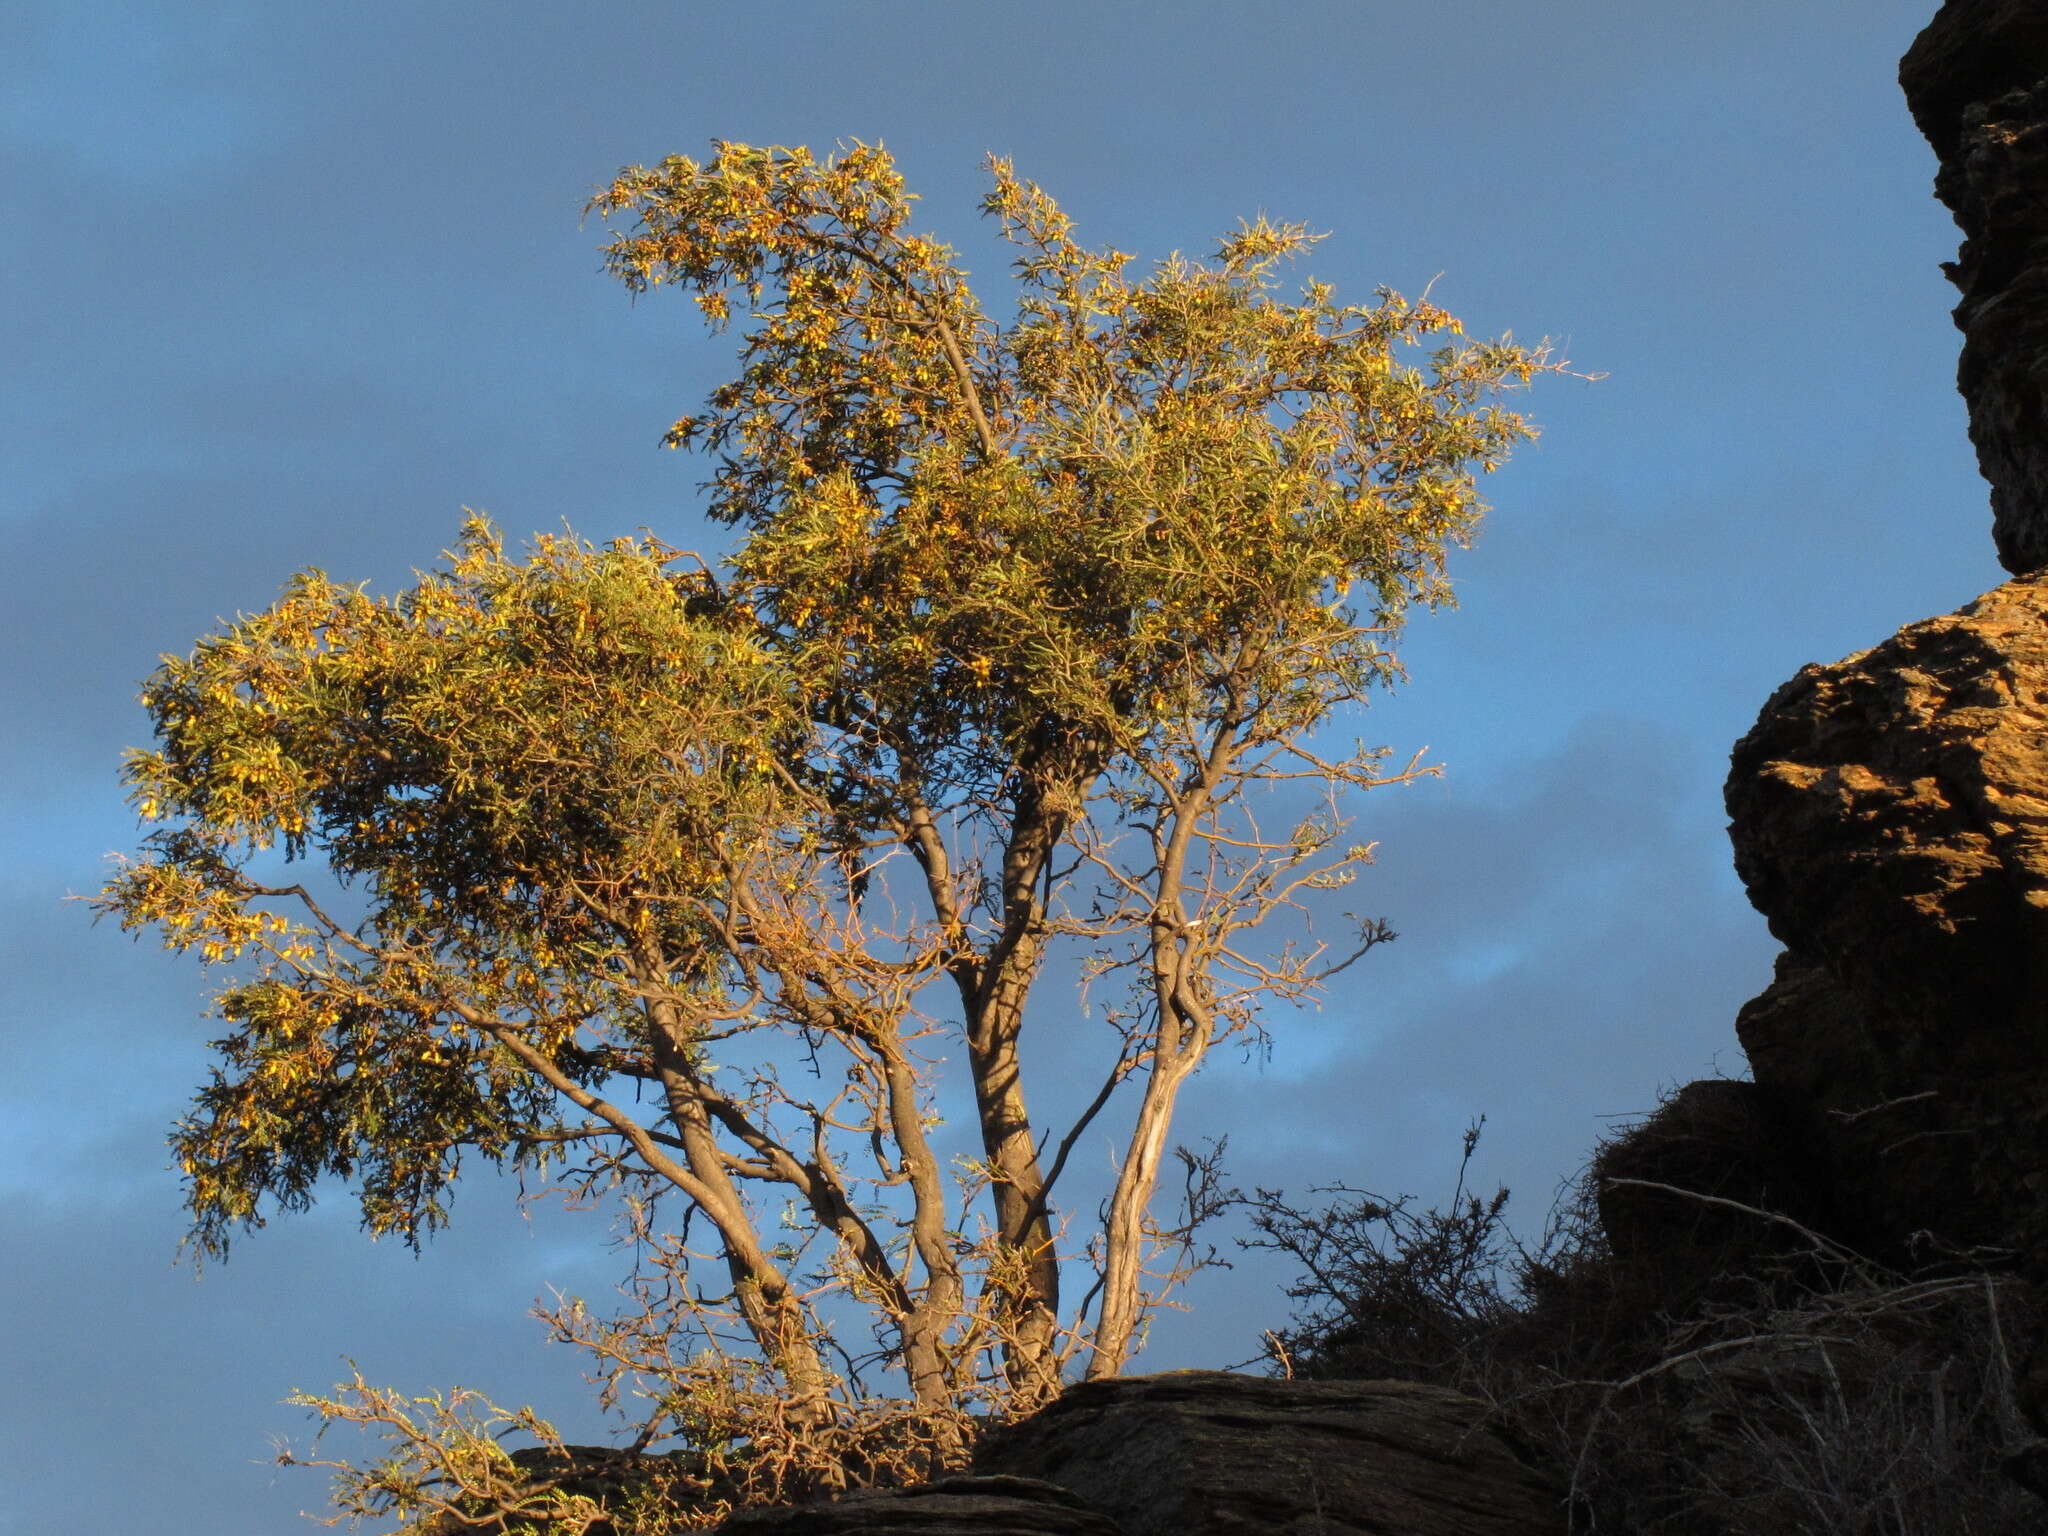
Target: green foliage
column 518, row 766
column 1139, row 503
column 1029, row 623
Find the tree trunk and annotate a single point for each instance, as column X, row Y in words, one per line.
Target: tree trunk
column 994, row 997
column 1024, row 1228
column 1185, row 1031
column 767, row 1304
column 1124, row 1234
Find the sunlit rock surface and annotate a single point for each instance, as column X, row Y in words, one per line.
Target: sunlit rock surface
column 1890, row 818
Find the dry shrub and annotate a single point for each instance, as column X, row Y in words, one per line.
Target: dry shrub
column 1883, row 1408
column 1385, row 1290
column 705, row 1426
column 446, row 1471
column 1816, row 1394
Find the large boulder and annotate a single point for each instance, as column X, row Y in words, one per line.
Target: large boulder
column 1890, row 818
column 1977, row 82
column 954, row 1506
column 1211, row 1453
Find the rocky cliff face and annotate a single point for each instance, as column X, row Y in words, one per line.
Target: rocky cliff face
column 1889, row 812
column 1977, row 83
column 1890, row 818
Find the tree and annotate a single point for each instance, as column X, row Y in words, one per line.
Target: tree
column 668, row 878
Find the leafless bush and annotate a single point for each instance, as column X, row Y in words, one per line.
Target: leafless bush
column 1388, row 1291
column 1880, row 1409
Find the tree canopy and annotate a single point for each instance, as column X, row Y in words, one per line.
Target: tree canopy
column 674, row 881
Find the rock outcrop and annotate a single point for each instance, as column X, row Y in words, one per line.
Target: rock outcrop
column 1977, row 82
column 1212, row 1453
column 1889, row 816
column 955, row 1506
column 1971, row 52
column 1205, row 1453
column 1889, row 812
column 1890, row 819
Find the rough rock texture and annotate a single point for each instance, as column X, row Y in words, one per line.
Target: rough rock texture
column 1205, row 1453
column 1890, row 819
column 1977, row 82
column 956, row 1506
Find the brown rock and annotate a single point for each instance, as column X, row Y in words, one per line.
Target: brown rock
column 1890, row 815
column 1977, row 82
column 955, row 1506
column 1204, row 1453
column 1890, row 819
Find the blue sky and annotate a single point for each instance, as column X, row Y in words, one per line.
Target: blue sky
column 290, row 285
